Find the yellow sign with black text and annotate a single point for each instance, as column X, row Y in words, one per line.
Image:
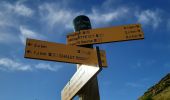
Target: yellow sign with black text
column 104, row 35
column 43, row 50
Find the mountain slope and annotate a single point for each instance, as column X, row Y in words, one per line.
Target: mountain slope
column 160, row 91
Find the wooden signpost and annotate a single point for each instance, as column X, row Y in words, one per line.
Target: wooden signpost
column 79, row 50
column 82, row 76
column 37, row 49
column 79, row 79
column 91, row 90
column 105, row 35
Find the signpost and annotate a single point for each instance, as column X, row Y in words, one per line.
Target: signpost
column 90, row 61
column 79, row 79
column 104, row 35
column 82, row 76
column 44, row 50
column 91, row 90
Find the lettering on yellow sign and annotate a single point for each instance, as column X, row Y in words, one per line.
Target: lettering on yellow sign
column 104, row 35
column 44, row 50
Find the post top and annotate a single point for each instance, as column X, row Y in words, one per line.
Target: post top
column 81, row 22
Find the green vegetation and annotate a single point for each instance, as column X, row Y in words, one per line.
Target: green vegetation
column 165, row 95
column 160, row 91
column 148, row 97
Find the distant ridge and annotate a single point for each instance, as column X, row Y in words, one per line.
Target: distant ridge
column 160, row 91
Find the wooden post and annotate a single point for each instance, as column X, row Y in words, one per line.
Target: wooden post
column 91, row 90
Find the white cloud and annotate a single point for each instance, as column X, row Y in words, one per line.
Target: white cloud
column 18, row 8
column 149, row 17
column 7, row 38
column 7, row 64
column 10, row 14
column 46, row 66
column 6, row 16
column 22, row 10
column 55, row 15
column 11, row 65
column 108, row 3
column 5, row 20
column 106, row 17
column 27, row 33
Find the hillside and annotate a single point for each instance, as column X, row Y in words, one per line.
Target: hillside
column 160, row 91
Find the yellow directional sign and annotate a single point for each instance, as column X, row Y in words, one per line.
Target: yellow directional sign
column 79, row 79
column 37, row 49
column 104, row 35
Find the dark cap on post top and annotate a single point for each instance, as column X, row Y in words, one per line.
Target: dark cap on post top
column 81, row 22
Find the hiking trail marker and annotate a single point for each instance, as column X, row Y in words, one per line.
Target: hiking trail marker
column 105, row 35
column 43, row 50
column 92, row 60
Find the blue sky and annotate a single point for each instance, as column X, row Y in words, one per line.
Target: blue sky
column 133, row 66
